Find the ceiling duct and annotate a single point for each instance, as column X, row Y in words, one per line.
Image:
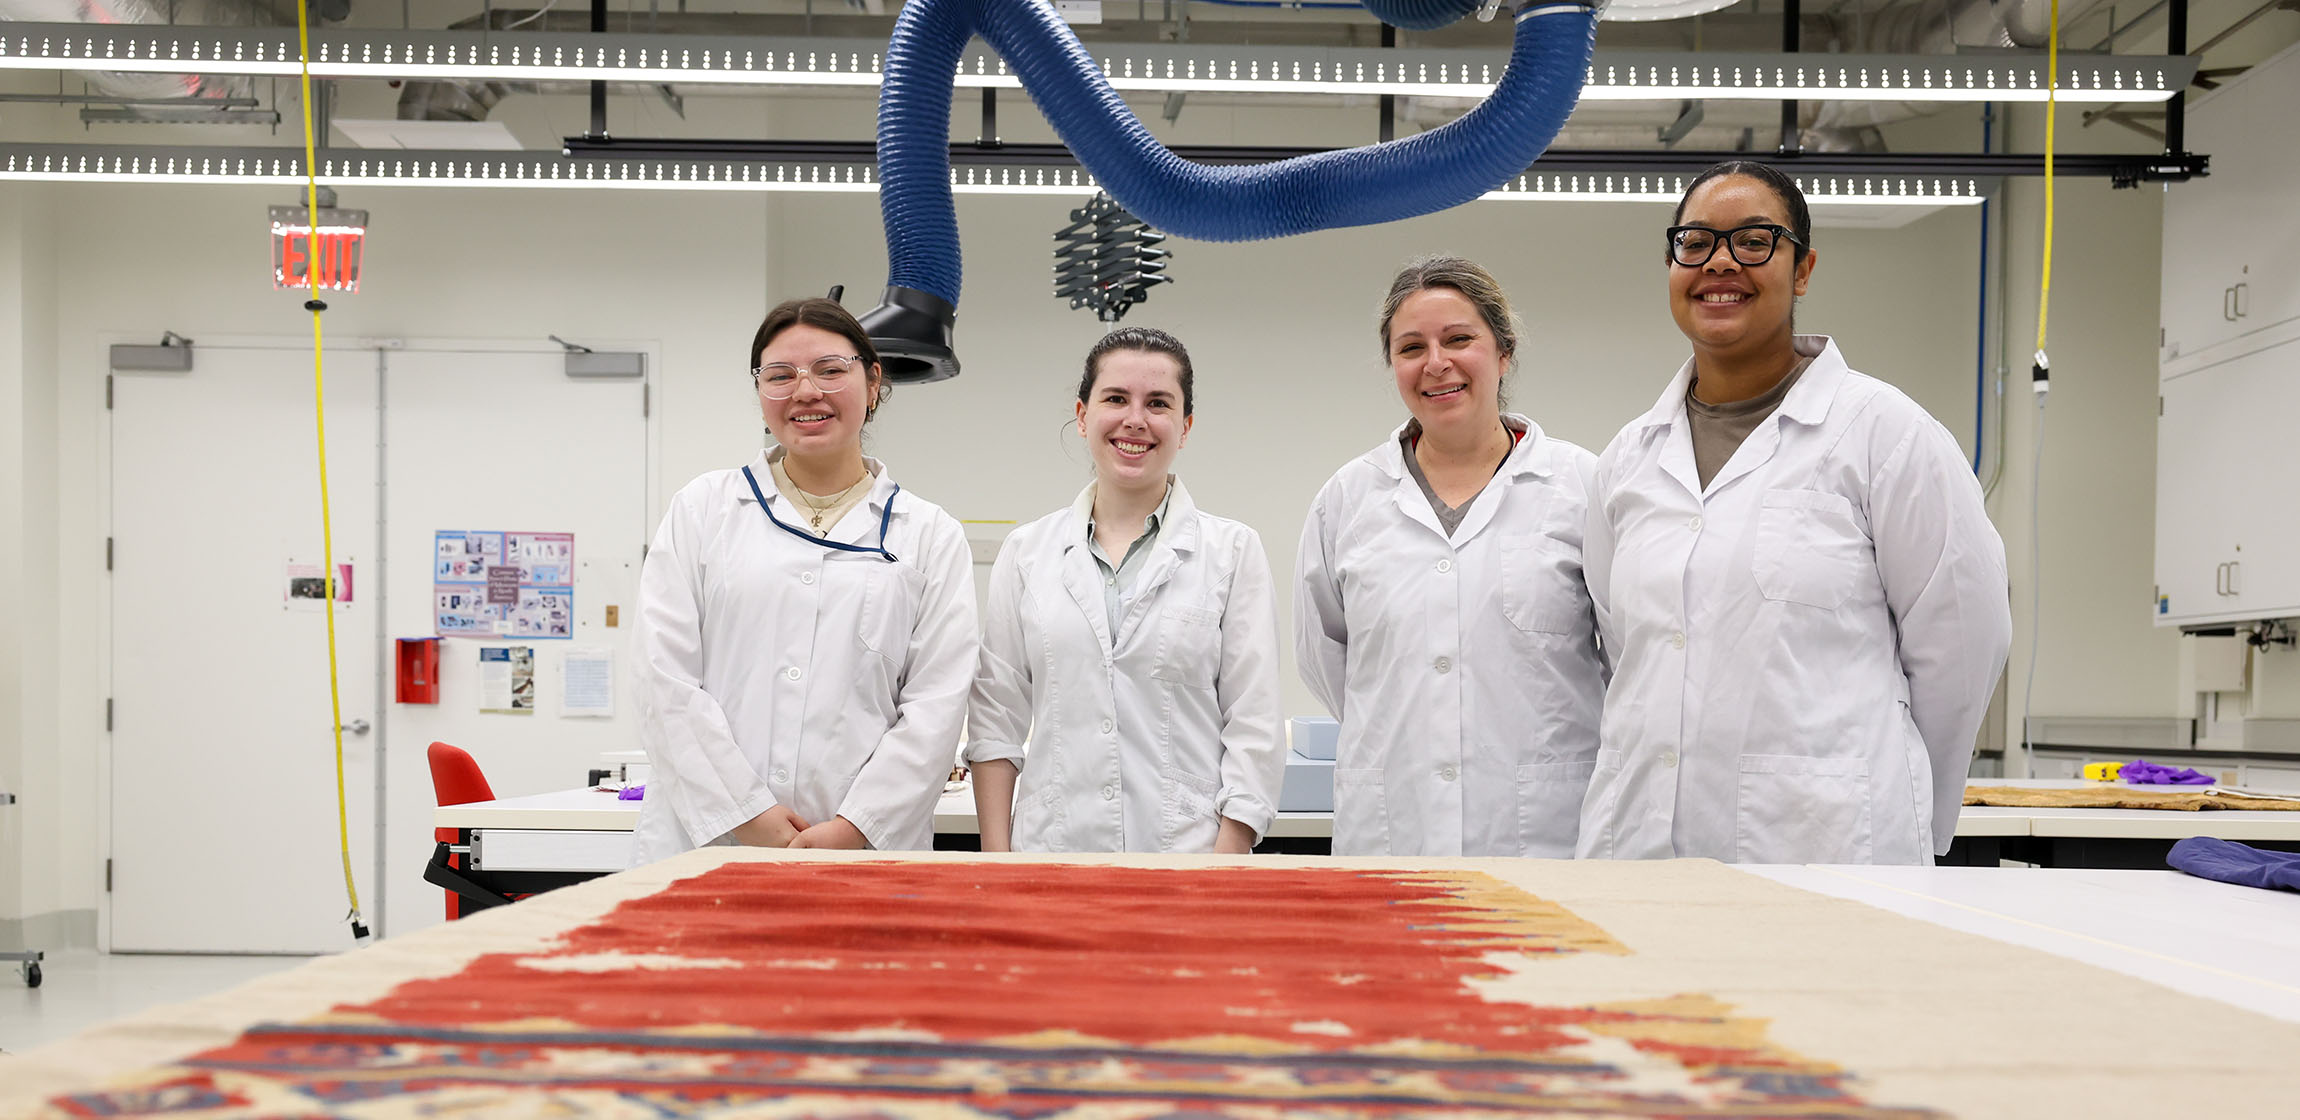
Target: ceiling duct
column 196, row 13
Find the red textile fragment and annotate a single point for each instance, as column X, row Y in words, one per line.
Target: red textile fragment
column 1312, row 957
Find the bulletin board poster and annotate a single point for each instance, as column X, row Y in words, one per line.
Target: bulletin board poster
column 499, row 584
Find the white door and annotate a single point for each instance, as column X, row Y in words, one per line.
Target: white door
column 223, row 789
column 497, row 439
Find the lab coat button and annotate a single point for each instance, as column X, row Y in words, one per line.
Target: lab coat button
column 782, row 777
column 1694, row 524
column 807, row 577
column 1111, row 582
column 1669, row 758
column 1106, row 726
column 1109, row 793
column 1445, row 664
column 1677, row 640
column 793, row 673
column 1444, row 566
column 1448, row 773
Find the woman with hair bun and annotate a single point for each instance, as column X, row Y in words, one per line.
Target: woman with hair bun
column 1801, row 591
column 1127, row 698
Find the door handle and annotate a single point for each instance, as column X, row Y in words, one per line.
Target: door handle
column 2228, row 305
column 2220, row 579
column 356, row 727
column 2235, row 569
column 2243, row 299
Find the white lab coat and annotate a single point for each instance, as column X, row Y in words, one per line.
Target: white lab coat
column 1802, row 654
column 1464, row 672
column 1143, row 739
column 773, row 670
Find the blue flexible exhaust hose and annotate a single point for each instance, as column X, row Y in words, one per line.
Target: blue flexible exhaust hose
column 1384, row 182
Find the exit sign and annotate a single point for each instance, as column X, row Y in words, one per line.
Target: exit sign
column 329, row 249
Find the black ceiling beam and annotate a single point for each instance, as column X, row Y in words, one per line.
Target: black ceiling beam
column 2125, row 170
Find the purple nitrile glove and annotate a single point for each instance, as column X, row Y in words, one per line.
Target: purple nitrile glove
column 2142, row 772
column 632, row 793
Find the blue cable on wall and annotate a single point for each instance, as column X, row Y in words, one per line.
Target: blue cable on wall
column 1377, row 183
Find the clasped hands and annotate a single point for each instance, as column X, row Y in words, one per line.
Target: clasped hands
column 778, row 827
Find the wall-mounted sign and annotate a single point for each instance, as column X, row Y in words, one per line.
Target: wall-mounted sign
column 331, row 249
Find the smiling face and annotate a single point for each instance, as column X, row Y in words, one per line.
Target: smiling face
column 1727, row 309
column 1132, row 417
column 812, row 422
column 1447, row 362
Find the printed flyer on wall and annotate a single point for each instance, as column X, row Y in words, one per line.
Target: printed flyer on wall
column 500, row 584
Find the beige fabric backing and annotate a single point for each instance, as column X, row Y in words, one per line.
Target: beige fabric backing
column 1925, row 1016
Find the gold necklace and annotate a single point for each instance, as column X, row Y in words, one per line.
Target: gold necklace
column 822, row 505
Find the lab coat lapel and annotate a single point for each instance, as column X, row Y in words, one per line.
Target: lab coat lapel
column 1084, row 582
column 1522, row 462
column 1177, row 538
column 1806, row 403
column 1754, row 452
column 1403, row 489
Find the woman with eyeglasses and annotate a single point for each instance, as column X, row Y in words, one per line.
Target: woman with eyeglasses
column 1439, row 610
column 807, row 630
column 1803, row 597
column 1127, row 699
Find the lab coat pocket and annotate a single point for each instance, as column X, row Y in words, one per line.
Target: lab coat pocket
column 1541, row 587
column 1361, row 813
column 1549, row 796
column 1186, row 804
column 891, row 595
column 1189, row 646
column 1809, row 548
column 1801, row 809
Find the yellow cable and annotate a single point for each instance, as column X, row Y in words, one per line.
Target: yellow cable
column 2051, row 111
column 319, row 413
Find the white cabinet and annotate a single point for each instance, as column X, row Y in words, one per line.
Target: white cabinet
column 2232, row 238
column 2227, row 474
column 2228, row 487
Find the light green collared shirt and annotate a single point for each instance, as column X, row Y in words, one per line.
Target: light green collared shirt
column 1118, row 579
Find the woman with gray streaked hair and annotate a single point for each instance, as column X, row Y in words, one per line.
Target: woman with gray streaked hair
column 1440, row 611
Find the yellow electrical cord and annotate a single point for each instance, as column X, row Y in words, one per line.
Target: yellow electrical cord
column 319, row 414
column 2051, row 111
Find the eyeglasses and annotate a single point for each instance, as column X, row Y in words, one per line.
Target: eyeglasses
column 1692, row 246
column 831, row 373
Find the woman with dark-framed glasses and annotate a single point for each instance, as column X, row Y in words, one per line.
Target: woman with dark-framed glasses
column 807, row 629
column 1804, row 599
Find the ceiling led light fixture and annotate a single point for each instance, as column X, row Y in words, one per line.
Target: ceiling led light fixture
column 73, row 163
column 1145, row 68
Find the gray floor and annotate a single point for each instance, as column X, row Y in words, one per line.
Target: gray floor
column 82, row 988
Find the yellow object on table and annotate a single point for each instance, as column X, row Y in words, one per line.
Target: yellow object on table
column 2103, row 771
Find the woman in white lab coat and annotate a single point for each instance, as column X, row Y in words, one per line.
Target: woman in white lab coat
column 1127, row 698
column 1440, row 612
column 807, row 630
column 1804, row 599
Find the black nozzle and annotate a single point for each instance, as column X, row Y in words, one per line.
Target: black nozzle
column 911, row 330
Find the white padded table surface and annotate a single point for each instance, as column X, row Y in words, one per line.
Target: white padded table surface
column 2239, row 945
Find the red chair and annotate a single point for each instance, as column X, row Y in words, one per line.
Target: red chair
column 456, row 779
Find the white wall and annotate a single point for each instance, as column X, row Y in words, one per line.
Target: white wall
column 1290, row 381
column 1291, row 384
column 45, row 779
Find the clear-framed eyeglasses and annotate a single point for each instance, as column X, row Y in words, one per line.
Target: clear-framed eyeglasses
column 1692, row 246
column 777, row 381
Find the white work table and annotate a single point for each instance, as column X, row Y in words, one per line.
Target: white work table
column 2239, row 945
column 598, row 810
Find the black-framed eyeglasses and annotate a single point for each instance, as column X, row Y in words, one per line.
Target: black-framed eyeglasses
column 1692, row 246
